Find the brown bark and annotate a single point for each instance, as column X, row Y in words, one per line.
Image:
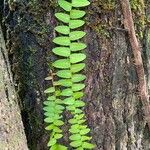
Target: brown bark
column 142, row 87
column 12, row 136
column 114, row 112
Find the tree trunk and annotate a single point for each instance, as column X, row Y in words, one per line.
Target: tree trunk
column 12, row 136
column 113, row 107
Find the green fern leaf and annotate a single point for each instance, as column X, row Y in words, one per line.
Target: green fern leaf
column 78, row 117
column 58, row 122
column 78, row 111
column 78, row 87
column 78, row 95
column 73, row 131
column 65, row 41
column 63, row 29
column 57, row 130
column 75, row 58
column 80, row 148
column 76, row 35
column 50, row 90
column 76, row 23
column 76, row 143
column 81, row 121
column 62, row 63
column 75, row 137
column 51, row 142
column 85, row 138
column 73, row 121
column 65, row 82
column 61, row 147
column 77, row 46
column 69, row 101
column 76, row 14
column 49, row 103
column 87, row 145
column 65, row 5
column 84, row 131
column 58, row 136
column 71, row 108
column 79, row 3
column 51, row 98
column 63, row 17
column 78, row 77
column 79, row 104
column 62, row 51
column 64, row 74
column 77, row 67
column 50, row 127
column 67, row 92
column 49, row 120
column 59, row 107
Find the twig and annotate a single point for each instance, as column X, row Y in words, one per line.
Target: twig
column 142, row 87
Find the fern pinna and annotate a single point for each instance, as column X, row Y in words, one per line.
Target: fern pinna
column 69, row 85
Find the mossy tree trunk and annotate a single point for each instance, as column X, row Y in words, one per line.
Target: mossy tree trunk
column 114, row 110
column 12, row 135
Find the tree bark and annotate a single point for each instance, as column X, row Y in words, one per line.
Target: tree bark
column 12, row 135
column 113, row 108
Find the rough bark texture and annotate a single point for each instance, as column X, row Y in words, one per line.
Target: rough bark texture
column 114, row 112
column 12, row 135
column 142, row 85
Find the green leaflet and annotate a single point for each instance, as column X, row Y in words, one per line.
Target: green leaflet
column 69, row 101
column 75, row 137
column 63, row 17
column 64, row 74
column 78, row 87
column 79, row 3
column 75, row 58
column 49, row 90
column 49, row 120
column 78, row 111
column 77, row 46
column 78, row 77
column 78, row 95
column 63, row 29
column 51, row 142
column 76, row 35
column 73, row 121
column 62, row 51
column 51, row 98
column 67, row 92
column 79, row 104
column 77, row 67
column 80, row 148
column 76, row 143
column 58, row 122
column 65, row 82
column 76, row 14
column 65, row 41
column 85, row 138
column 62, row 63
column 65, row 5
column 58, row 136
column 76, row 23
column 87, row 145
column 78, row 117
column 58, row 147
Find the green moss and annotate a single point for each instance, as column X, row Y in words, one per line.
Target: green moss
column 104, row 13
column 138, row 9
